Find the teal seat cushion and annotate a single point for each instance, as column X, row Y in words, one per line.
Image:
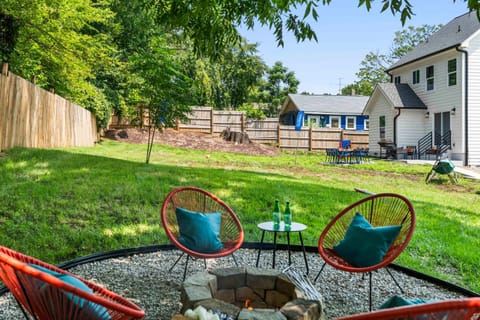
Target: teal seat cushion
column 199, row 231
column 89, row 309
column 398, row 301
column 364, row 245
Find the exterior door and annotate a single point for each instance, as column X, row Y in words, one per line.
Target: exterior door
column 441, row 126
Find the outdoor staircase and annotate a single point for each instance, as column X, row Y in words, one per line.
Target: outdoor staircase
column 428, row 146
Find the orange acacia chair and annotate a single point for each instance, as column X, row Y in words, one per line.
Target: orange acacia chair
column 46, row 292
column 380, row 210
column 201, row 204
column 458, row 309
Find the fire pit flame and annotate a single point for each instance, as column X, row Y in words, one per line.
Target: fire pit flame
column 247, row 304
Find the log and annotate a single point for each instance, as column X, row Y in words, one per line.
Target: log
column 234, row 136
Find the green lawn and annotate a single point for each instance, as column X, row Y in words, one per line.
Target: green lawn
column 64, row 203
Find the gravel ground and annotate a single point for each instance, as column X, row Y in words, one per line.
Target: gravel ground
column 146, row 281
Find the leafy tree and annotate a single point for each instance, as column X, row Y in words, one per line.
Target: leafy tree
column 252, row 112
column 55, row 42
column 161, row 88
column 373, row 66
column 240, row 69
column 279, row 83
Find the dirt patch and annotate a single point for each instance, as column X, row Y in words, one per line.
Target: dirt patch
column 191, row 140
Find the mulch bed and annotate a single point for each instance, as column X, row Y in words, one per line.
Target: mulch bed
column 191, row 140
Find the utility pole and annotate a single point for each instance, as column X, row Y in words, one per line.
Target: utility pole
column 340, row 86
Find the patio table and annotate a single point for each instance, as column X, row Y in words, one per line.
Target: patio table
column 268, row 227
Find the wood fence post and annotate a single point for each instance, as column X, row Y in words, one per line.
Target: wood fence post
column 5, row 68
column 211, row 121
column 310, row 138
column 243, row 122
column 177, row 124
column 278, row 135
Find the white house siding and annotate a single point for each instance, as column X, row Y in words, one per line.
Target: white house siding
column 442, row 98
column 381, row 108
column 474, row 102
column 410, row 126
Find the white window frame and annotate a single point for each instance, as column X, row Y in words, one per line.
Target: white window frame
column 382, row 123
column 451, row 73
column 338, row 119
column 416, row 77
column 313, row 121
column 366, row 124
column 430, row 78
column 354, row 123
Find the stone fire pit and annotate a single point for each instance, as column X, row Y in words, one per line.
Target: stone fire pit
column 270, row 295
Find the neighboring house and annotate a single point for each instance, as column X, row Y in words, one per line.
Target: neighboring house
column 433, row 102
column 326, row 111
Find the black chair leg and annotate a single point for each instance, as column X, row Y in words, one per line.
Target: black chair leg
column 185, row 270
column 178, row 259
column 234, row 260
column 395, row 280
column 318, row 275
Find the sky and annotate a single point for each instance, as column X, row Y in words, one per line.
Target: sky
column 345, row 35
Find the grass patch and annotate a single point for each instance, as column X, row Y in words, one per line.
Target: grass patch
column 59, row 204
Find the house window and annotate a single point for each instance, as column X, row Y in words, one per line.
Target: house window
column 351, row 123
column 416, row 76
column 429, row 78
column 313, row 121
column 366, row 124
column 381, row 126
column 397, row 79
column 452, row 72
column 334, row 122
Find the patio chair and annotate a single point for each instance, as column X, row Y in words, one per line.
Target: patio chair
column 455, row 309
column 46, row 292
column 359, row 155
column 444, row 166
column 368, row 235
column 200, row 225
column 345, row 144
column 331, row 155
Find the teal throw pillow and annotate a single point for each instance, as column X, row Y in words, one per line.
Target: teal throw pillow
column 199, row 231
column 398, row 301
column 88, row 308
column 364, row 245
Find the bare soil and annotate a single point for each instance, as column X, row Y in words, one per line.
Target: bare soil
column 191, row 140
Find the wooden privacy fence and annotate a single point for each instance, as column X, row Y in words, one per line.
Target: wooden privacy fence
column 205, row 119
column 33, row 117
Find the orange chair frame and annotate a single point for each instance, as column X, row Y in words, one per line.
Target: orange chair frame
column 457, row 309
column 198, row 200
column 380, row 210
column 22, row 281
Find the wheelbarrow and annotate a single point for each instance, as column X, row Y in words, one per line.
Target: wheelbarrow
column 444, row 166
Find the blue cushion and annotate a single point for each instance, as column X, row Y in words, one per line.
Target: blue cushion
column 364, row 245
column 88, row 308
column 199, row 232
column 398, row 301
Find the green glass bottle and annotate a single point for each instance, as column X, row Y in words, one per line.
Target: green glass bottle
column 276, row 216
column 287, row 217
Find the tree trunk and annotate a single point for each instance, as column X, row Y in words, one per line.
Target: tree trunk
column 237, row 137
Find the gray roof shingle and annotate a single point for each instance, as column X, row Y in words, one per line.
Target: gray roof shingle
column 451, row 35
column 329, row 104
column 401, row 95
